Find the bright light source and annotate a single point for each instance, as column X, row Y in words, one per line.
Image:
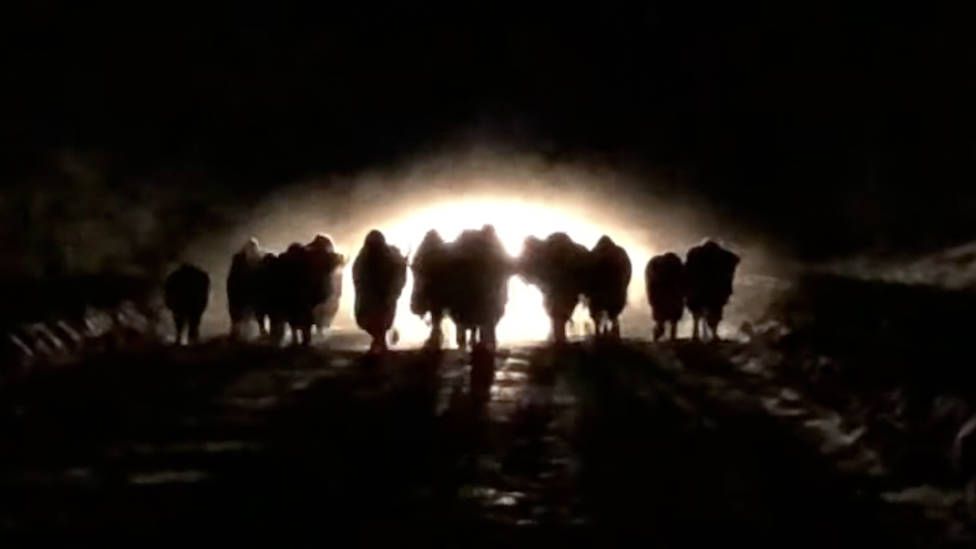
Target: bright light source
column 514, row 220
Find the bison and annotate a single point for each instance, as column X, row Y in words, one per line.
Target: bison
column 467, row 280
column 379, row 273
column 664, row 279
column 557, row 266
column 431, row 270
column 606, row 285
column 709, row 271
column 269, row 310
column 296, row 293
column 243, row 286
column 481, row 269
column 325, row 277
column 187, row 290
column 300, row 287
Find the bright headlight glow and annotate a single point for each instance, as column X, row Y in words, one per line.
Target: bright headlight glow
column 514, row 220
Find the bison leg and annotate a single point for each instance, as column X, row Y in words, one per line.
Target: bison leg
column 235, row 322
column 674, row 330
column 179, row 321
column 488, row 336
column 436, row 338
column 379, row 341
column 615, row 327
column 695, row 323
column 658, row 330
column 712, row 321
column 194, row 335
column 277, row 329
column 708, row 328
column 559, row 328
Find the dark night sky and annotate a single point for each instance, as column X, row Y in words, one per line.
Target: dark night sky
column 831, row 130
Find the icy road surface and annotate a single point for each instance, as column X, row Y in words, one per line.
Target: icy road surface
column 677, row 445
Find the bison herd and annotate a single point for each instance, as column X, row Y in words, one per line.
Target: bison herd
column 465, row 280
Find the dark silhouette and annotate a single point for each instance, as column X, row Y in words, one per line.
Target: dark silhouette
column 297, row 291
column 299, row 288
column 709, row 271
column 187, row 290
column 431, row 270
column 557, row 266
column 379, row 273
column 466, row 279
column 481, row 269
column 325, row 278
column 243, row 287
column 664, row 279
column 269, row 310
column 606, row 286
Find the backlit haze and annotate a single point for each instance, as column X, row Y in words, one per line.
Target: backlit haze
column 519, row 198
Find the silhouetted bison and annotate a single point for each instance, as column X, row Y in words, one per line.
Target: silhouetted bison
column 269, row 308
column 243, row 286
column 187, row 290
column 466, row 279
column 606, row 285
column 558, row 267
column 479, row 285
column 325, row 271
column 664, row 279
column 300, row 287
column 709, row 271
column 379, row 273
column 298, row 291
column 431, row 269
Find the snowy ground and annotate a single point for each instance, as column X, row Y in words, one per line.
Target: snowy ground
column 588, row 445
